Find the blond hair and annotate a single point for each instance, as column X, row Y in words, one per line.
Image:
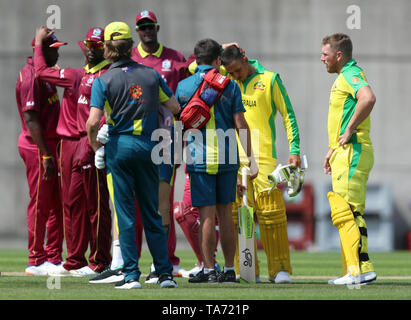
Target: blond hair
column 115, row 50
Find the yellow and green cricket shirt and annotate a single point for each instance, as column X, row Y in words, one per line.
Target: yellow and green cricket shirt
column 263, row 95
column 342, row 105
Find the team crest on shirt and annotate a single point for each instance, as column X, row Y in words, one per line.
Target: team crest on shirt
column 90, row 80
column 355, row 79
column 259, row 86
column 166, row 65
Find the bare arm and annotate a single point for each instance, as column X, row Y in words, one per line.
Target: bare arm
column 92, row 126
column 365, row 103
column 172, row 105
column 33, row 123
column 326, row 165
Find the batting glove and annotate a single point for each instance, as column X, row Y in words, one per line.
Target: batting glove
column 99, row 161
column 102, row 134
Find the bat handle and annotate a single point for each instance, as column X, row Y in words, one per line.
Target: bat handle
column 244, row 183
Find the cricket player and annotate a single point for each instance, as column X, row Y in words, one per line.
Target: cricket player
column 264, row 95
column 172, row 66
column 38, row 105
column 350, row 157
column 67, row 129
column 213, row 177
column 130, row 93
column 93, row 220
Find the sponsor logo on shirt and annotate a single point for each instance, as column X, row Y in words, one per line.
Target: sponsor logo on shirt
column 53, row 99
column 29, row 103
column 135, row 92
column 82, row 100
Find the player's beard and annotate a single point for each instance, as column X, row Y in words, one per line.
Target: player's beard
column 94, row 59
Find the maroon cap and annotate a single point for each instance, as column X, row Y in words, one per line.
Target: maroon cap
column 51, row 42
column 95, row 34
column 145, row 14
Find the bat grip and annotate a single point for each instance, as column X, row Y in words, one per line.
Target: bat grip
column 244, row 183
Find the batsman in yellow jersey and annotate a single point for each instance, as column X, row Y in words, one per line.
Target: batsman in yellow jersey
column 350, row 157
column 263, row 97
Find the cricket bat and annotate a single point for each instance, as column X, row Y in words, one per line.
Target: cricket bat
column 246, row 230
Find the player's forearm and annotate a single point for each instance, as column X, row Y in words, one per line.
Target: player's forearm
column 365, row 104
column 92, row 126
column 92, row 130
column 172, row 105
column 36, row 133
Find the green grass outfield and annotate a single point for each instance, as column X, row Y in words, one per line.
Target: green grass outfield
column 311, row 271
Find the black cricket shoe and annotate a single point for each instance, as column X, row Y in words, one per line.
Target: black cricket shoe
column 152, row 277
column 108, row 276
column 201, row 277
column 227, row 276
column 130, row 284
column 166, row 281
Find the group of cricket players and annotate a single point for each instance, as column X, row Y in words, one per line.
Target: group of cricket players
column 97, row 145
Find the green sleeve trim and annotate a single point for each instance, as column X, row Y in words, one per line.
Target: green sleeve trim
column 294, row 141
column 271, row 119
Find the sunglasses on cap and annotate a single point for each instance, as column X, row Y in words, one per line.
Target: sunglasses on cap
column 145, row 26
column 94, row 44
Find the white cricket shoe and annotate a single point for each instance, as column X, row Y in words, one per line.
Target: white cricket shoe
column 83, row 272
column 348, row 279
column 59, row 271
column 40, row 270
column 368, row 277
column 193, row 272
column 152, row 276
column 50, row 267
column 178, row 271
column 281, row 277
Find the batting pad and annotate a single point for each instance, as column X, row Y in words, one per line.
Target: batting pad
column 272, row 222
column 343, row 219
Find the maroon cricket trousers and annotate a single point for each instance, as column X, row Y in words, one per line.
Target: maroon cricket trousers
column 90, row 215
column 44, row 208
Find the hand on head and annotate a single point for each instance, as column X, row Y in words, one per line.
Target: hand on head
column 42, row 33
